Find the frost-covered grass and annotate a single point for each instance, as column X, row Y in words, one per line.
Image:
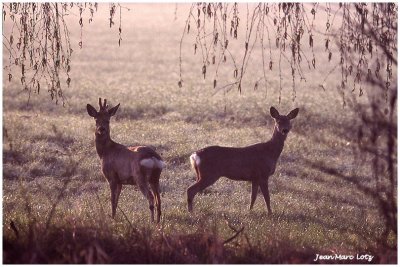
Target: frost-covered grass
column 51, row 173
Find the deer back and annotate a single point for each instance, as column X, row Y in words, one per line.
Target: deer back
column 237, row 163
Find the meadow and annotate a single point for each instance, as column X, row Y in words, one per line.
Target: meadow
column 58, row 202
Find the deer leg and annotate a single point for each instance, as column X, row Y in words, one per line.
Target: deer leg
column 254, row 191
column 155, row 187
column 201, row 184
column 115, row 192
column 197, row 173
column 156, row 177
column 265, row 191
column 146, row 192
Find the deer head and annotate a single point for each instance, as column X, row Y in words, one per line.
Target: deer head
column 282, row 122
column 102, row 118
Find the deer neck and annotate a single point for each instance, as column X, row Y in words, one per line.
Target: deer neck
column 103, row 144
column 276, row 143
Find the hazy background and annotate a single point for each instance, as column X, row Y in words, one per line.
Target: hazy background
column 46, row 145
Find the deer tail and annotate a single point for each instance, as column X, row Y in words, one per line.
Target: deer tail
column 194, row 160
column 153, row 163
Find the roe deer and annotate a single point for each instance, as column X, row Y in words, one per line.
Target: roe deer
column 253, row 163
column 123, row 165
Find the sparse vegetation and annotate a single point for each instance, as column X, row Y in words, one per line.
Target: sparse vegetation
column 37, row 42
column 54, row 193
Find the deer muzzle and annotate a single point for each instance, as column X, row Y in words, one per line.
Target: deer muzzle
column 101, row 131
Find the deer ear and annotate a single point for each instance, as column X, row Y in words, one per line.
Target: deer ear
column 274, row 113
column 113, row 110
column 91, row 111
column 293, row 114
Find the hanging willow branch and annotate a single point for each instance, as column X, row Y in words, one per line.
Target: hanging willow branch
column 360, row 30
column 38, row 43
column 368, row 46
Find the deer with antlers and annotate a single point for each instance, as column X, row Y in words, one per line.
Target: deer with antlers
column 254, row 163
column 123, row 165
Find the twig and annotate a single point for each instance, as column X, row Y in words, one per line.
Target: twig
column 126, row 218
column 234, row 236
column 223, row 87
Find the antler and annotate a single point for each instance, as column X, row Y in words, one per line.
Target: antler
column 104, row 106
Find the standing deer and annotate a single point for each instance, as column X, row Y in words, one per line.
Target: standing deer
column 123, row 165
column 254, row 163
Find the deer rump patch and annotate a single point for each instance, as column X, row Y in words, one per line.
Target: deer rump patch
column 152, row 162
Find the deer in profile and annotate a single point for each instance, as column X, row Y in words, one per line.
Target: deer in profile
column 123, row 165
column 255, row 163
